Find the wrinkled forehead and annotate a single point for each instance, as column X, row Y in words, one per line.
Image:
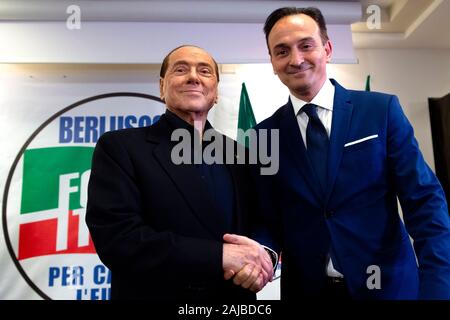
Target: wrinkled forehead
column 190, row 54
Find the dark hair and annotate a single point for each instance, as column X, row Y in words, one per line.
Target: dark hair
column 312, row 12
column 165, row 63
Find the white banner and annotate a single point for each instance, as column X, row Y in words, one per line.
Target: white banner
column 45, row 194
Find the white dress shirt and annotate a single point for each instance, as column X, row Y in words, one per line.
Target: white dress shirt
column 324, row 100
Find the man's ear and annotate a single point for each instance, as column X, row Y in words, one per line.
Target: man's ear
column 161, row 88
column 329, row 50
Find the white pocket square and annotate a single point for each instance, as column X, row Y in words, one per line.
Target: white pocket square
column 361, row 140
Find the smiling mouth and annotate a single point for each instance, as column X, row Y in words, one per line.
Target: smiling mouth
column 293, row 70
column 298, row 71
column 193, row 91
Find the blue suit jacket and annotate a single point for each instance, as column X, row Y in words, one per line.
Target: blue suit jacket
column 357, row 214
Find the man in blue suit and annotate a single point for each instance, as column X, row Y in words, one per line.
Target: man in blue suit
column 345, row 158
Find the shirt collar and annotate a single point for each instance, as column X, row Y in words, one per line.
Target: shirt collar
column 324, row 98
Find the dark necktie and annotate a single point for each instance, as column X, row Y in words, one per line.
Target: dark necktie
column 317, row 144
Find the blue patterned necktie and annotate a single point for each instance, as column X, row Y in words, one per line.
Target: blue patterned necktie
column 317, row 144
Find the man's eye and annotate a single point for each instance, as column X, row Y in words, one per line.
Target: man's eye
column 206, row 71
column 281, row 52
column 179, row 69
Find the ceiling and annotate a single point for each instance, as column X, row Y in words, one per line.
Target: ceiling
column 404, row 23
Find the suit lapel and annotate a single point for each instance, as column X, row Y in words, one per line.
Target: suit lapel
column 342, row 113
column 291, row 135
column 186, row 179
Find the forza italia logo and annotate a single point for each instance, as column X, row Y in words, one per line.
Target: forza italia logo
column 45, row 196
column 52, row 218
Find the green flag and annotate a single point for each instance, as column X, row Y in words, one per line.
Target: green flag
column 368, row 83
column 246, row 118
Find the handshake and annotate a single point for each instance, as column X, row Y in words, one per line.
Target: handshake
column 247, row 262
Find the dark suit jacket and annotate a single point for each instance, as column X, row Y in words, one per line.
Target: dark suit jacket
column 373, row 158
column 153, row 223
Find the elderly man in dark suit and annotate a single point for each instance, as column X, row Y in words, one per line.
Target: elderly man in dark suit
column 159, row 225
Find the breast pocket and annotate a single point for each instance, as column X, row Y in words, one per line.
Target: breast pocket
column 361, row 143
column 363, row 165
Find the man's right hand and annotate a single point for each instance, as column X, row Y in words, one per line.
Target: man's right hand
column 247, row 261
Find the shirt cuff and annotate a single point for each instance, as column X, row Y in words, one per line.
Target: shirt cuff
column 273, row 255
